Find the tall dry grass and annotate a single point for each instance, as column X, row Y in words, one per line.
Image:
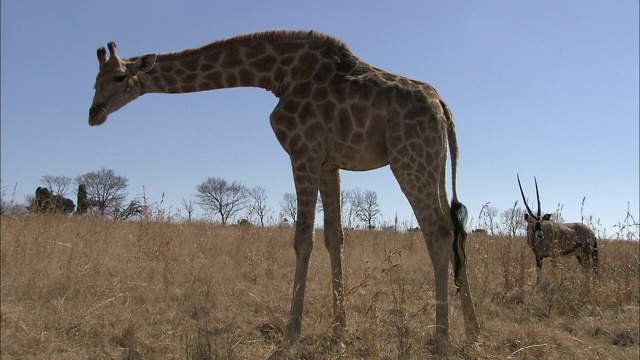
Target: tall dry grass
column 76, row 288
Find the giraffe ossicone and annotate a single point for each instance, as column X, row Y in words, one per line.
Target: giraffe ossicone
column 334, row 112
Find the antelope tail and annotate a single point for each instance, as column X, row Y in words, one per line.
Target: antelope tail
column 459, row 213
column 595, row 261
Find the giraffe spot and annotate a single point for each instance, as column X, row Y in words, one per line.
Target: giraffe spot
column 287, row 60
column 358, row 138
column 337, row 90
column 255, row 51
column 247, row 77
column 264, row 81
column 191, row 64
column 190, row 78
column 345, row 125
column 212, row 58
column 320, row 93
column 288, row 48
column 231, row 80
column 231, row 59
column 360, row 114
column 170, row 80
column 307, row 64
column 414, row 113
column 327, row 109
column 207, row 66
column 323, row 74
column 308, row 111
column 205, row 85
column 264, row 64
column 313, row 130
column 166, row 67
column 215, row 78
column 291, row 106
column 179, row 71
column 434, row 125
column 188, row 88
column 294, row 140
column 302, row 90
column 380, row 100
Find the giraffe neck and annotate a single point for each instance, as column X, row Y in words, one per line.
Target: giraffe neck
column 270, row 63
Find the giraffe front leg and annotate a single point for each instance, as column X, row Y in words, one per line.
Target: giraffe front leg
column 334, row 239
column 307, row 195
column 303, row 244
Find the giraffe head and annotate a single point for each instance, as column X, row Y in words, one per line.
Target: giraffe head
column 534, row 221
column 117, row 83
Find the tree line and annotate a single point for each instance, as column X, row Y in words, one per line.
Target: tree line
column 104, row 193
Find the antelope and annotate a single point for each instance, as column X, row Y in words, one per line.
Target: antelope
column 548, row 238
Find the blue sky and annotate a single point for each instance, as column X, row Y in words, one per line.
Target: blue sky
column 545, row 88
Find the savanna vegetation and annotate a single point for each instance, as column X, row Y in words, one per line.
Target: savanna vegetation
column 77, row 287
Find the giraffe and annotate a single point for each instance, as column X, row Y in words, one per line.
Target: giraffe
column 335, row 112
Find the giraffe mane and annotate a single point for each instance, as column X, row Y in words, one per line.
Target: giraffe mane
column 254, row 38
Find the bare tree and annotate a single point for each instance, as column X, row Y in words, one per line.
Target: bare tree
column 188, row 206
column 488, row 219
column 124, row 211
column 105, row 189
column 289, row 206
column 258, row 207
column 365, row 206
column 513, row 219
column 222, row 198
column 59, row 185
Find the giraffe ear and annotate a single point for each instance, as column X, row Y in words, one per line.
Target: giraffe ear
column 144, row 63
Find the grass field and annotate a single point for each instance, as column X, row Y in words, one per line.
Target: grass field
column 85, row 288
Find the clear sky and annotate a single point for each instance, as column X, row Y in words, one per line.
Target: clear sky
column 545, row 88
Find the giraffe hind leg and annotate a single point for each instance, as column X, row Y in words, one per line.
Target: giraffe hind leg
column 434, row 219
column 458, row 216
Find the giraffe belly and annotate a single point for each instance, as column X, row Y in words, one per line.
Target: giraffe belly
column 356, row 159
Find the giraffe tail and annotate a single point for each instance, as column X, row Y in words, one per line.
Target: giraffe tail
column 459, row 213
column 459, row 216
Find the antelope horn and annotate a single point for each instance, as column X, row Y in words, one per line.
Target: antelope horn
column 538, row 196
column 523, row 197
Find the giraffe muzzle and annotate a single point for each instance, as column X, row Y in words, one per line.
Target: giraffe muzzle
column 97, row 115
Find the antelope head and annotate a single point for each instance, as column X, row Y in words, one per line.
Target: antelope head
column 534, row 221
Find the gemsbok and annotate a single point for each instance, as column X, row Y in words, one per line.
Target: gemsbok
column 548, row 238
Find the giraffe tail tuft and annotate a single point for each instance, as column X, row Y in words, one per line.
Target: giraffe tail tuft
column 459, row 215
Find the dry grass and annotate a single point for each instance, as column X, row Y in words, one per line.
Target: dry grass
column 86, row 288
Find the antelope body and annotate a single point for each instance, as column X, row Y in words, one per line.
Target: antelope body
column 548, row 238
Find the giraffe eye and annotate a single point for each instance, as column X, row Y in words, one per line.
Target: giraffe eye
column 120, row 78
